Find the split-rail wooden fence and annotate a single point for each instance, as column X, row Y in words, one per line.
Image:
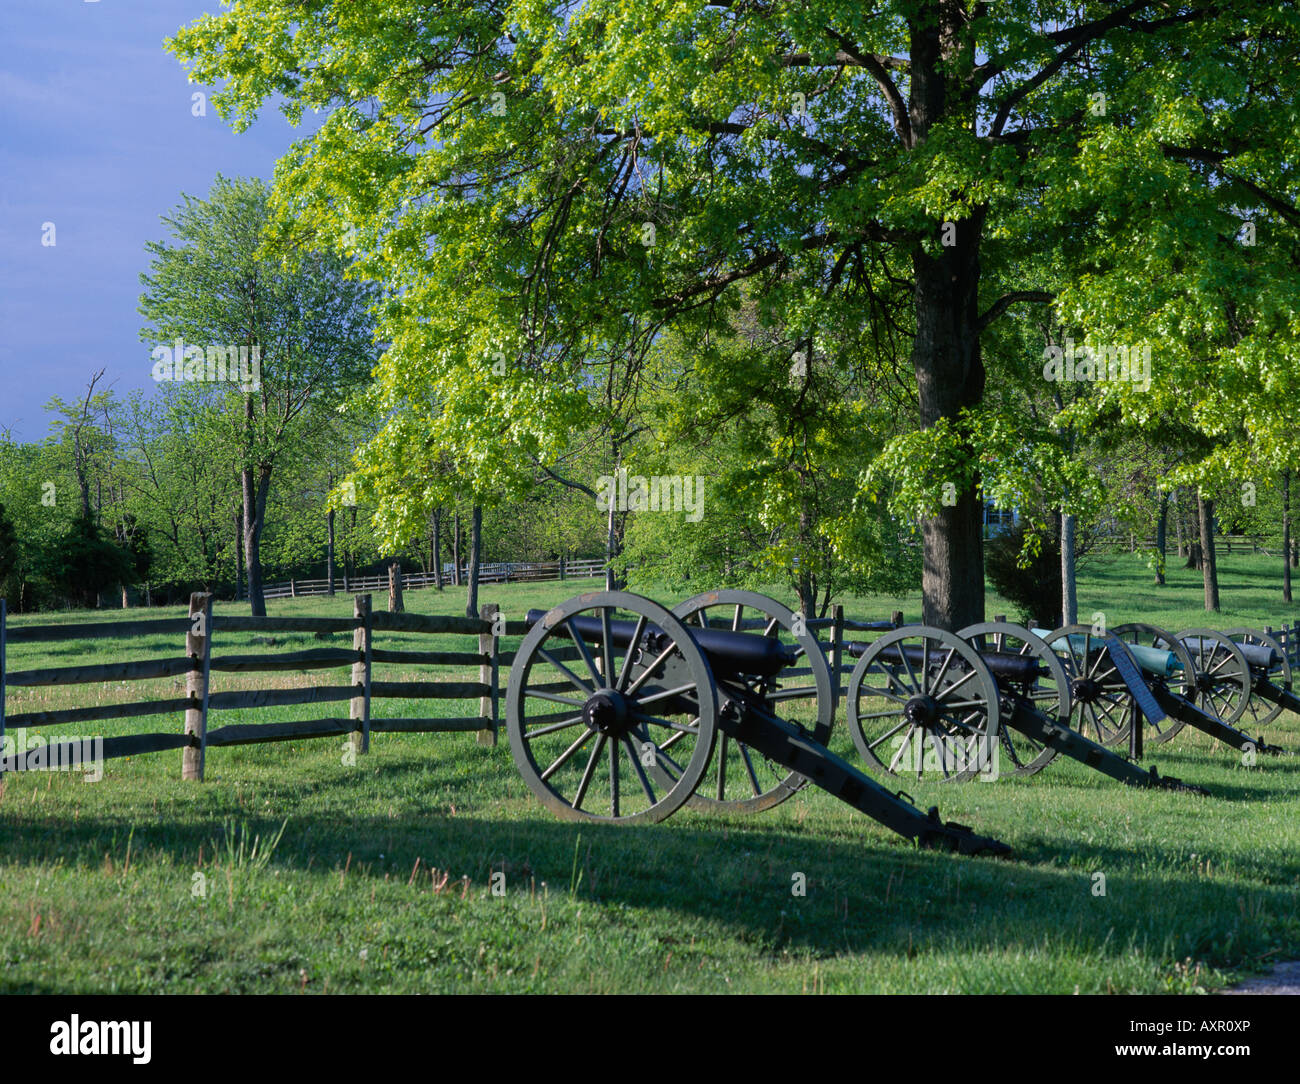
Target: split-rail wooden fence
column 202, row 632
column 203, row 629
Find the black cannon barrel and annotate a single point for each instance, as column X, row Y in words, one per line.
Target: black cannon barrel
column 1258, row 656
column 1004, row 665
column 730, row 654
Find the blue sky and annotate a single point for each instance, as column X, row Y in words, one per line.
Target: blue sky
column 97, row 136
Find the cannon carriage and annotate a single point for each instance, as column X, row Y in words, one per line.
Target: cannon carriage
column 1142, row 684
column 993, row 699
column 623, row 711
column 615, row 708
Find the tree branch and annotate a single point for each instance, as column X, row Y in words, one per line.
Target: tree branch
column 876, row 68
column 1007, row 300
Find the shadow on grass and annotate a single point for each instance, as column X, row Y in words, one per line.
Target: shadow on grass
column 739, row 875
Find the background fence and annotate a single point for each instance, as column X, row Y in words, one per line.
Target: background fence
column 202, row 629
column 495, row 572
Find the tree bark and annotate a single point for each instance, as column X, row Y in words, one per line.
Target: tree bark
column 455, row 548
column 475, row 555
column 255, row 491
column 1069, row 581
column 329, row 552
column 437, row 548
column 1286, row 536
column 239, row 559
column 396, row 605
column 1162, row 527
column 1178, row 525
column 950, row 377
column 1209, row 570
column 946, row 347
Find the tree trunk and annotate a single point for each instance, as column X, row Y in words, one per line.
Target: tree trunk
column 1178, row 525
column 475, row 555
column 437, row 548
column 946, row 346
column 239, row 559
column 1162, row 527
column 1286, row 536
column 1209, row 571
column 329, row 552
column 1069, row 581
column 950, row 377
column 1193, row 556
column 254, row 494
column 395, row 602
column 455, row 548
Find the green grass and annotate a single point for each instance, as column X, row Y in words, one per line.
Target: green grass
column 380, row 880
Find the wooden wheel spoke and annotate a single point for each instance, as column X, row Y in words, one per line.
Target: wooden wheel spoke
column 943, row 667
column 588, row 772
column 642, row 717
column 563, row 758
column 888, row 734
column 903, row 748
column 664, row 694
column 631, row 650
column 606, row 647
column 639, row 769
column 529, row 735
column 613, row 779
column 958, row 683
column 585, row 652
column 749, row 769
column 645, row 674
column 917, row 687
column 555, row 698
column 589, row 690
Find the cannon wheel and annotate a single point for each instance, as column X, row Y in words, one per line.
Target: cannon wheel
column 739, row 779
column 1050, row 693
column 1222, row 673
column 1101, row 705
column 1183, row 683
column 1261, row 711
column 613, row 751
column 941, row 714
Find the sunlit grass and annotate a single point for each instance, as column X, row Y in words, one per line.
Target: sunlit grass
column 382, row 878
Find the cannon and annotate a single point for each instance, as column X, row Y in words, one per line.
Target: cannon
column 1270, row 672
column 615, row 705
column 1139, row 678
column 960, row 704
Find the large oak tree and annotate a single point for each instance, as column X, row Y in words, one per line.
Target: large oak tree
column 546, row 186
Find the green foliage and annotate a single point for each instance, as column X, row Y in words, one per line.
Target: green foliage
column 544, row 188
column 84, row 563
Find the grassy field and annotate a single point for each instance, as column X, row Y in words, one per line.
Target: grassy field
column 291, row 870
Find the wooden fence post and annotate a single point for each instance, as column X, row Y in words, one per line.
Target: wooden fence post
column 837, row 647
column 361, row 673
column 487, row 675
column 897, row 618
column 198, row 646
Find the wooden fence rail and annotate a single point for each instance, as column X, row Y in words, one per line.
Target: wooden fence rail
column 202, row 630
column 489, row 572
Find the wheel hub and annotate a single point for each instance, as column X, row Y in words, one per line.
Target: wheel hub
column 606, row 711
column 922, row 710
column 1085, row 690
